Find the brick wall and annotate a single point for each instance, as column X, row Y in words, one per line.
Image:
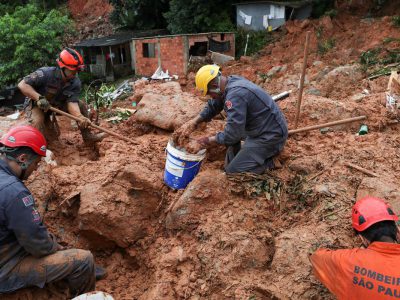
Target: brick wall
column 173, row 54
column 215, row 36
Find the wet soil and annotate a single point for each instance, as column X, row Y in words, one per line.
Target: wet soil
column 209, row 241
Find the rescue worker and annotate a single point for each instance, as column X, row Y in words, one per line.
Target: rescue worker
column 252, row 115
column 60, row 87
column 366, row 273
column 29, row 255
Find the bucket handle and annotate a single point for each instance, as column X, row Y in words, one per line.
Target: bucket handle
column 180, row 168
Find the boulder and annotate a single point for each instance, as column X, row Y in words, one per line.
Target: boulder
column 166, row 106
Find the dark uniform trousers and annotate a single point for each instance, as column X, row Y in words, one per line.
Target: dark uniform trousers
column 75, row 267
column 28, row 252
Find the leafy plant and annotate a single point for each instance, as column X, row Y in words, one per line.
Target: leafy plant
column 257, row 41
column 326, row 45
column 190, row 16
column 396, row 21
column 323, row 45
column 370, row 57
column 30, row 38
column 331, row 13
column 321, row 7
column 100, row 97
column 139, row 14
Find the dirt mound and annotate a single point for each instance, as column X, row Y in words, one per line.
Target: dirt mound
column 91, row 19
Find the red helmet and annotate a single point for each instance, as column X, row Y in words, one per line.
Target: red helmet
column 70, row 59
column 370, row 210
column 25, row 136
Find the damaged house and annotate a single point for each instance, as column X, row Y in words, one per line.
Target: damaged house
column 143, row 53
column 270, row 15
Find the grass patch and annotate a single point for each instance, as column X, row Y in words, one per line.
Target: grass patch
column 324, row 45
column 257, row 41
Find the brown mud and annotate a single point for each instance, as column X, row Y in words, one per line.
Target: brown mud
column 211, row 241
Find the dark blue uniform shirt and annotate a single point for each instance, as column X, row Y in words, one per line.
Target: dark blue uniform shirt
column 47, row 81
column 22, row 232
column 252, row 114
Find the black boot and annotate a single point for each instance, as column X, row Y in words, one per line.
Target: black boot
column 89, row 137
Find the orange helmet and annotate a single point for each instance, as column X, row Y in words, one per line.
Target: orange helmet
column 370, row 210
column 70, row 59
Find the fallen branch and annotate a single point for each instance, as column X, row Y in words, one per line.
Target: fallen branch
column 365, row 171
column 344, row 121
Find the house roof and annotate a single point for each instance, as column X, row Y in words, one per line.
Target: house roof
column 123, row 37
column 118, row 38
column 294, row 4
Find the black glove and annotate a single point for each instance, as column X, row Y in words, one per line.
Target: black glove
column 43, row 104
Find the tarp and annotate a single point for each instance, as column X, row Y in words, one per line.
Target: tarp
column 217, row 46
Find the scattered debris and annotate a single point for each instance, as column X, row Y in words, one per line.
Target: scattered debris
column 159, row 74
column 220, row 59
column 266, row 185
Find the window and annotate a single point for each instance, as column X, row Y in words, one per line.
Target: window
column 198, row 49
column 149, row 49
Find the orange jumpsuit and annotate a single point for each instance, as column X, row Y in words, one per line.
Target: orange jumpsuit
column 372, row 273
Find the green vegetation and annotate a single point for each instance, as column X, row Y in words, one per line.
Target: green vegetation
column 322, row 7
column 100, row 97
column 257, row 41
column 324, row 45
column 381, row 60
column 30, row 38
column 139, row 14
column 186, row 16
column 396, row 21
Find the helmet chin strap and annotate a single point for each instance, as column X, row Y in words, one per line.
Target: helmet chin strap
column 23, row 165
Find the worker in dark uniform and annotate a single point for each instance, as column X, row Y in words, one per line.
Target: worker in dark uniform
column 29, row 255
column 252, row 116
column 60, row 87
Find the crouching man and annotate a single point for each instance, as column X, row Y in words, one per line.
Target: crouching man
column 29, row 255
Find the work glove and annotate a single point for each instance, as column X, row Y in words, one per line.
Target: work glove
column 42, row 103
column 83, row 122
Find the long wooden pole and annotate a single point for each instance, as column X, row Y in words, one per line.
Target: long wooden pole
column 303, row 75
column 344, row 121
column 63, row 113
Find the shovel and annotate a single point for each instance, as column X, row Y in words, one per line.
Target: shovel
column 93, row 125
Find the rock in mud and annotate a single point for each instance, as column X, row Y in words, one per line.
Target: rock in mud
column 119, row 210
column 207, row 189
column 167, row 107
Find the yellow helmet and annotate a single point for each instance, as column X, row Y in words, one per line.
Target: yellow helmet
column 204, row 75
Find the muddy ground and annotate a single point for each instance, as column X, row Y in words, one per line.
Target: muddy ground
column 232, row 238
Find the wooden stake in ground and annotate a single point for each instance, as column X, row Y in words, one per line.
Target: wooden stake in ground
column 63, row 113
column 344, row 121
column 303, row 75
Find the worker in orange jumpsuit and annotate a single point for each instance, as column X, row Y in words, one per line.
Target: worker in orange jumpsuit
column 366, row 273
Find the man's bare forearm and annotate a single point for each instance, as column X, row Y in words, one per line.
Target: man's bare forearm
column 28, row 90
